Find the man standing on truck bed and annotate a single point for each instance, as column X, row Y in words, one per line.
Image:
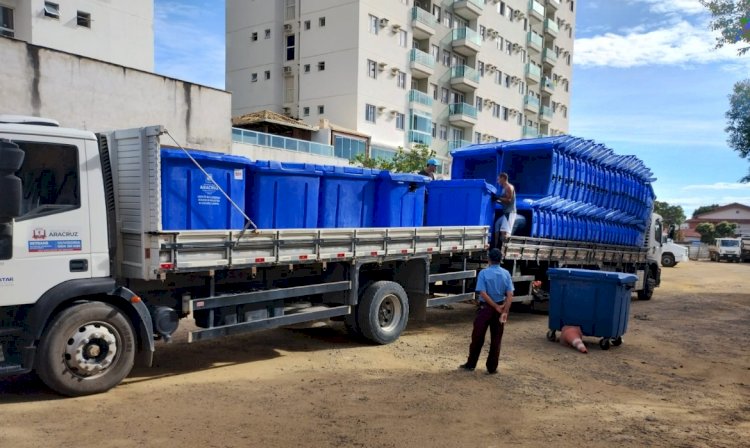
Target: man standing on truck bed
column 429, row 169
column 507, row 197
column 495, row 289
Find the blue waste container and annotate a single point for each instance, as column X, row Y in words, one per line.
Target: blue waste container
column 596, row 301
column 463, row 202
column 282, row 195
column 347, row 197
column 192, row 201
column 400, row 200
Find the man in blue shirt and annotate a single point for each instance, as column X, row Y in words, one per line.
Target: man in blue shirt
column 495, row 288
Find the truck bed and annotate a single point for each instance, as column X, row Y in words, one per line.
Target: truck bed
column 571, row 252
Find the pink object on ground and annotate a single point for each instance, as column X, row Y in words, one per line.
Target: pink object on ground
column 573, row 337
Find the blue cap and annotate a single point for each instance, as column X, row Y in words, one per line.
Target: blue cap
column 433, row 162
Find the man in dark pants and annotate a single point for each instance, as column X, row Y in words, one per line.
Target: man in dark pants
column 495, row 288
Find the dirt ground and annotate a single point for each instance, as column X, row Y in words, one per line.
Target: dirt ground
column 681, row 379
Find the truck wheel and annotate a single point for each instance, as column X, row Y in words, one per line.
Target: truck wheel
column 87, row 349
column 648, row 288
column 383, row 312
column 668, row 261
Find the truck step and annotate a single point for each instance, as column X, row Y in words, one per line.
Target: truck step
column 7, row 368
column 10, row 331
column 302, row 315
column 447, row 276
column 437, row 301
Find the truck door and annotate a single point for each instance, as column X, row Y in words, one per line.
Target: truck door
column 51, row 235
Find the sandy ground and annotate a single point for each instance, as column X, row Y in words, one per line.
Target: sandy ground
column 681, row 379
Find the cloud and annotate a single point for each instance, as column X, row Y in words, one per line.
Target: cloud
column 674, row 6
column 185, row 49
column 679, row 44
column 720, row 186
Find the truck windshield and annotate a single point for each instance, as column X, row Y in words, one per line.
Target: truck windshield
column 730, row 243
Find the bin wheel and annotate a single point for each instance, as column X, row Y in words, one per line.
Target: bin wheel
column 551, row 336
column 617, row 341
column 604, row 343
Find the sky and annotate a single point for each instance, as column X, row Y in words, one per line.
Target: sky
column 646, row 81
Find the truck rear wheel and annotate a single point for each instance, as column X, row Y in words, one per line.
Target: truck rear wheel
column 648, row 287
column 383, row 312
column 87, row 349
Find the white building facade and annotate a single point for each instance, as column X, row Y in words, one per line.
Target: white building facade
column 118, row 31
column 441, row 73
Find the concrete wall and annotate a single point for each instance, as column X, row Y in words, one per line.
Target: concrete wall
column 255, row 152
column 120, row 32
column 88, row 94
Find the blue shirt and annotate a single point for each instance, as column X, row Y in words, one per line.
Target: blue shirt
column 496, row 282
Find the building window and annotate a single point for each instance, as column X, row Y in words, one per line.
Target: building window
column 501, row 8
column 254, row 36
column 478, row 102
column 498, row 77
column 436, row 11
column 434, row 89
column 306, row 111
column 510, row 13
column 401, row 80
column 6, row 22
column 506, row 113
column 370, row 113
column 403, row 38
column 267, row 74
column 83, row 19
column 480, row 67
column 254, row 77
column 321, row 109
column 434, row 129
column 372, row 69
column 307, row 68
column 290, row 9
column 507, row 80
column 51, row 10
column 519, row 120
column 290, row 48
column 483, row 32
column 400, row 121
column 508, row 47
column 321, row 21
column 496, row 111
column 444, row 95
column 348, row 147
column 448, row 19
column 435, row 52
column 374, row 27
column 267, row 34
column 307, row 25
column 477, row 137
column 321, row 66
column 446, row 58
column 443, row 132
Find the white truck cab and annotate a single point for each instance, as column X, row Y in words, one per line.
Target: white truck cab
column 672, row 253
column 729, row 249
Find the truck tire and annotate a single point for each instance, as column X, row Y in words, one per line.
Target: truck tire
column 648, row 288
column 668, row 261
column 383, row 312
column 87, row 349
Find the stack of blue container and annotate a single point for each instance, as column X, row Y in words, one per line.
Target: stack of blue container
column 281, row 195
column 567, row 187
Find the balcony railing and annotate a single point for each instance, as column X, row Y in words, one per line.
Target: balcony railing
column 468, row 9
column 455, row 144
column 463, row 71
column 415, row 96
column 462, row 109
column 554, row 3
column 533, row 71
column 422, row 16
column 420, row 137
column 530, row 132
column 547, row 112
column 548, row 85
column 551, row 27
column 421, row 57
column 535, row 39
column 535, row 6
column 549, row 55
column 478, row 3
column 532, row 101
column 467, row 34
column 278, row 142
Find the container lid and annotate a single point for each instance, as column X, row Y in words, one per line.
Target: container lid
column 348, row 171
column 403, row 177
column 176, row 153
column 620, row 278
column 462, row 183
column 486, row 149
column 273, row 166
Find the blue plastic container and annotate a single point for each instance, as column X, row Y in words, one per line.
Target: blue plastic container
column 282, row 195
column 596, row 301
column 463, row 202
column 400, row 200
column 347, row 197
column 477, row 162
column 191, row 201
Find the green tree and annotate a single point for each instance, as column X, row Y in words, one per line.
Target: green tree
column 738, row 121
column 403, row 161
column 707, row 231
column 703, row 209
column 725, row 229
column 730, row 18
column 673, row 215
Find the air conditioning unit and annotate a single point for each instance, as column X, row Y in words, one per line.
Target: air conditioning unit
column 288, row 28
column 516, row 47
column 381, row 109
column 394, row 112
column 496, row 1
column 518, row 15
column 395, row 70
column 382, row 65
column 495, row 34
column 383, row 23
column 515, row 79
column 287, row 111
column 395, row 27
column 288, row 71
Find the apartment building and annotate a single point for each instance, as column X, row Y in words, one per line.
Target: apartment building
column 405, row 72
column 112, row 31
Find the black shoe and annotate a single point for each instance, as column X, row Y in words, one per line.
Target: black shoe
column 491, row 372
column 466, row 367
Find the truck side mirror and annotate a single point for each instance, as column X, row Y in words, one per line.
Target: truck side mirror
column 11, row 159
